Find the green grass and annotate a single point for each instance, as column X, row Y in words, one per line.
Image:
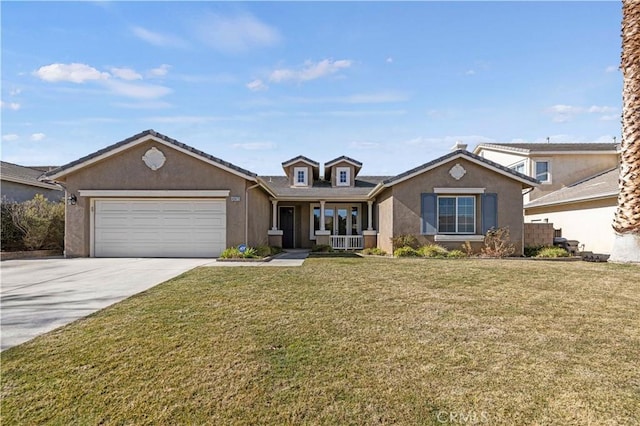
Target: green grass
column 347, row 341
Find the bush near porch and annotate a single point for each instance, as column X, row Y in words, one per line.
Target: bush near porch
column 346, row 341
column 32, row 225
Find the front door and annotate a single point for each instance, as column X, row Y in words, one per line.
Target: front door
column 286, row 226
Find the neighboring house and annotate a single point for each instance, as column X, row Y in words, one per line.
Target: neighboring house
column 578, row 190
column 152, row 196
column 20, row 183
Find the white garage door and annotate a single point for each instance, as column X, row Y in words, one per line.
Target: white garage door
column 159, row 228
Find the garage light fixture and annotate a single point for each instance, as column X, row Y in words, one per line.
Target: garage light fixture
column 72, row 200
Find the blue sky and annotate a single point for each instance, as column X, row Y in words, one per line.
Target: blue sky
column 391, row 84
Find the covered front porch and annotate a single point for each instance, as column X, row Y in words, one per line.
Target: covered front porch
column 340, row 224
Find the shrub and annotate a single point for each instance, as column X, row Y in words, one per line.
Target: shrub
column 231, row 253
column 404, row 240
column 235, row 253
column 322, row 248
column 497, row 243
column 375, row 251
column 433, row 250
column 406, row 252
column 41, row 223
column 457, row 254
column 467, row 248
column 266, row 251
column 552, row 252
column 250, row 253
column 532, row 251
column 10, row 233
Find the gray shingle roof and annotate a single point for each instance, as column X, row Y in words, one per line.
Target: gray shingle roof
column 24, row 174
column 551, row 147
column 601, row 185
column 342, row 158
column 157, row 135
column 467, row 154
column 321, row 188
column 300, row 158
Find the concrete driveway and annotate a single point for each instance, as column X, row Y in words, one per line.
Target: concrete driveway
column 39, row 295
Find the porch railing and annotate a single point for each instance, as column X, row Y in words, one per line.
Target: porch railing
column 347, row 242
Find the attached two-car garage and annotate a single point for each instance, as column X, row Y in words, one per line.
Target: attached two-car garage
column 159, row 227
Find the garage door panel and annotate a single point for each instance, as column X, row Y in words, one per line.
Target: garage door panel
column 159, row 228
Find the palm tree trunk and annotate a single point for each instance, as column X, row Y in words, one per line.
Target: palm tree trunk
column 627, row 219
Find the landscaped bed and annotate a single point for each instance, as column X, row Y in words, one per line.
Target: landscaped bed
column 347, row 341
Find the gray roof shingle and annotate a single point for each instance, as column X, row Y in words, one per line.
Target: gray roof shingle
column 602, row 185
column 551, row 147
column 465, row 153
column 322, row 188
column 27, row 175
column 157, row 135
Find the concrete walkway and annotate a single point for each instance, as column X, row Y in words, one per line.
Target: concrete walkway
column 39, row 295
column 294, row 258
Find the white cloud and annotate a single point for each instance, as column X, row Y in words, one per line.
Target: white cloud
column 125, row 74
column 389, row 60
column 469, row 72
column 256, row 85
column 11, row 137
column 255, row 146
column 160, row 71
column 611, row 68
column 564, row 113
column 14, row 106
column 184, row 119
column 15, row 92
column 364, row 145
column 449, row 141
column 143, row 105
column 611, row 117
column 602, row 109
column 137, row 90
column 37, row 137
column 309, row 71
column 234, row 34
column 74, row 73
column 158, row 39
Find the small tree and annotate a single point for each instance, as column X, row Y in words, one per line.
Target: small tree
column 497, row 243
column 11, row 235
column 41, row 222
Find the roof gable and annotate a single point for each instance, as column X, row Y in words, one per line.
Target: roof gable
column 301, row 158
column 500, row 169
column 142, row 137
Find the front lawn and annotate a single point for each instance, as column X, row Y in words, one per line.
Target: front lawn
column 347, row 341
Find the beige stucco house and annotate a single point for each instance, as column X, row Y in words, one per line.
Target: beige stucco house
column 152, row 196
column 578, row 187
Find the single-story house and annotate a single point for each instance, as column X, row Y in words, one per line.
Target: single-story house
column 20, row 183
column 152, row 196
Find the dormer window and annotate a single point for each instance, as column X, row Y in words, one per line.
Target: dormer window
column 300, row 176
column 342, row 176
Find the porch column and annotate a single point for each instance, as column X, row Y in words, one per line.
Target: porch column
column 322, row 215
column 323, row 237
column 274, row 204
column 370, row 235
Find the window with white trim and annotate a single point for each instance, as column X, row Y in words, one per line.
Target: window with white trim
column 543, row 171
column 342, row 176
column 339, row 219
column 518, row 167
column 300, row 176
column 456, row 215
